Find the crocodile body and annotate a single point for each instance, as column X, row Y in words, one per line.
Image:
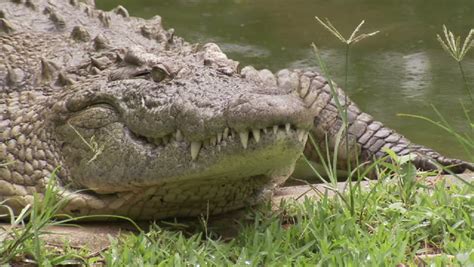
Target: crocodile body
column 134, row 121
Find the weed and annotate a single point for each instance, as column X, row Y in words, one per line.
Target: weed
column 342, row 110
column 353, row 38
column 23, row 236
column 91, row 144
column 452, row 45
column 330, row 164
column 22, row 239
column 435, row 228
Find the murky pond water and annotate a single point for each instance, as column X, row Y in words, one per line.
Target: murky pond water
column 401, row 70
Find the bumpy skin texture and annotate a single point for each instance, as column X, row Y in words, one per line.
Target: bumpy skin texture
column 367, row 138
column 140, row 122
column 146, row 125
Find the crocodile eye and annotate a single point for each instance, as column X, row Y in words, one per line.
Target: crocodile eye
column 159, row 73
column 128, row 73
column 94, row 117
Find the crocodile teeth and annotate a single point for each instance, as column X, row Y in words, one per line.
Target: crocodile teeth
column 280, row 134
column 256, row 134
column 305, row 138
column 244, row 138
column 195, row 147
column 157, row 141
column 179, row 136
column 305, row 82
column 275, row 129
column 219, row 137
column 265, row 130
column 226, row 133
column 300, row 133
column 213, row 141
column 287, row 127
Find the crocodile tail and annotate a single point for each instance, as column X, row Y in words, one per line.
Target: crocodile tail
column 366, row 139
column 377, row 138
column 428, row 159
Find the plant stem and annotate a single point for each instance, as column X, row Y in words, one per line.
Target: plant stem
column 346, row 65
column 346, row 127
column 466, row 86
column 346, row 106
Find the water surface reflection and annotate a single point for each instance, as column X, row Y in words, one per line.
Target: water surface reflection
column 401, row 70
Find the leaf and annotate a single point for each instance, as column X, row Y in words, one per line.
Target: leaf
column 398, row 207
column 364, row 35
column 467, row 43
column 393, row 156
column 353, row 38
column 406, row 158
column 356, row 30
column 452, row 43
column 331, row 29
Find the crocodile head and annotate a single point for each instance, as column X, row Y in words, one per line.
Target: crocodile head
column 175, row 136
column 141, row 123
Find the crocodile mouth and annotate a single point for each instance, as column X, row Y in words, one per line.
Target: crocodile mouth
column 247, row 138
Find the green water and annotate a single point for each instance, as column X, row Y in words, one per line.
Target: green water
column 400, row 70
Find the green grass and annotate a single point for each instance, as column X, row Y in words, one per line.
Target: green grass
column 400, row 219
column 387, row 230
column 22, row 240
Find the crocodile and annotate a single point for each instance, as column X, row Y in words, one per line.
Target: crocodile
column 126, row 118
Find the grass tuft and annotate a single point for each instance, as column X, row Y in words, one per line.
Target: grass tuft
column 452, row 45
column 22, row 238
column 353, row 38
column 433, row 226
column 342, row 110
column 22, row 241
